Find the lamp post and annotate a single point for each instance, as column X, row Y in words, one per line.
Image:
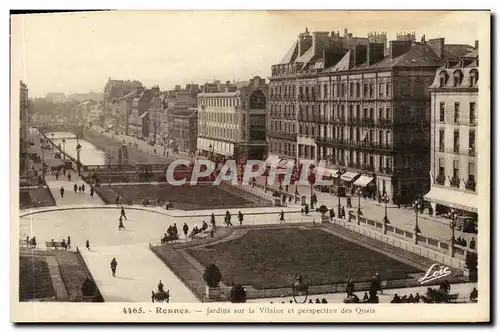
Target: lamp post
column 417, row 205
column 359, row 191
column 453, row 224
column 78, row 149
column 109, row 155
column 385, row 199
column 338, row 192
column 211, row 151
column 299, row 288
column 64, row 148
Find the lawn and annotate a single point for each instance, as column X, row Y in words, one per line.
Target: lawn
column 34, row 279
column 35, row 197
column 273, row 258
column 184, row 197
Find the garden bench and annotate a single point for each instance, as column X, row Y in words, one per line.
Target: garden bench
column 55, row 245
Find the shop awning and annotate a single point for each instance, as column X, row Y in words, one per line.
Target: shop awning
column 327, row 172
column 349, row 176
column 452, row 198
column 363, row 180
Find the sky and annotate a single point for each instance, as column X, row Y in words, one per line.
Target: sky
column 78, row 52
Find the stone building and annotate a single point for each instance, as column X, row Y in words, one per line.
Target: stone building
column 178, row 101
column 232, row 121
column 138, row 123
column 116, row 89
column 454, row 104
column 185, row 129
column 359, row 105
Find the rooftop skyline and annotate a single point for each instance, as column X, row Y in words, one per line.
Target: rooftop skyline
column 78, row 52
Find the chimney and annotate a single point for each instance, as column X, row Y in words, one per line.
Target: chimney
column 375, row 53
column 399, row 47
column 359, row 53
column 437, row 46
column 332, row 56
column 476, row 45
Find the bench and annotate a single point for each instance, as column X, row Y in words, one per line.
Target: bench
column 56, row 245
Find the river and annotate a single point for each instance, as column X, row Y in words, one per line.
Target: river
column 89, row 154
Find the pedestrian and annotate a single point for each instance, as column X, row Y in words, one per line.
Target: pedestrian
column 79, row 189
column 175, row 231
column 282, row 217
column 120, row 224
column 62, row 191
column 240, row 217
column 117, row 201
column 122, row 213
column 92, row 192
column 57, row 175
column 472, row 243
column 343, row 213
column 212, row 220
column 83, row 188
column 185, row 229
column 75, row 187
column 69, row 176
column 87, row 245
column 114, row 264
column 69, row 242
column 332, row 214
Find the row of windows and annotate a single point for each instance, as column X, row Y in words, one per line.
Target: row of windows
column 309, row 112
column 230, row 134
column 218, row 102
column 455, row 180
column 456, row 113
column 220, row 117
column 352, row 90
column 456, row 141
column 458, row 78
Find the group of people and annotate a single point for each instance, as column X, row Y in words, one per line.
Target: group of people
column 64, row 244
column 200, row 230
column 78, row 189
column 463, row 242
column 323, row 300
column 31, row 243
column 406, row 298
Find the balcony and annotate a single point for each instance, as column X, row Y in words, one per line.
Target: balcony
column 367, row 121
column 367, row 167
column 282, row 135
column 471, row 185
column 455, row 182
column 384, row 122
column 440, row 179
column 385, row 170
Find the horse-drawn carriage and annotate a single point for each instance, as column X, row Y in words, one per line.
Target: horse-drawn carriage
column 160, row 295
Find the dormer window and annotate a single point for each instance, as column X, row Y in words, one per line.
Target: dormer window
column 473, row 77
column 457, row 78
column 443, row 78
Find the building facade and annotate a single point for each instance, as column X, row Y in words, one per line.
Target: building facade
column 116, row 89
column 185, row 130
column 138, row 121
column 362, row 107
column 454, row 95
column 232, row 123
column 24, row 136
column 178, row 101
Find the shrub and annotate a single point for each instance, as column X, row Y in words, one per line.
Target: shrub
column 323, row 209
column 238, row 294
column 212, row 275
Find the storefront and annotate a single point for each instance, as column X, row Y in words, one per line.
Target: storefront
column 464, row 203
column 347, row 180
column 367, row 185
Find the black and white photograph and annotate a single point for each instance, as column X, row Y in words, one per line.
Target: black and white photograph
column 259, row 166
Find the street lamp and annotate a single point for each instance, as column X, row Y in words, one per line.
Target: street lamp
column 453, row 224
column 64, row 148
column 385, row 199
column 359, row 192
column 210, row 150
column 109, row 155
column 299, row 288
column 417, row 206
column 78, row 149
column 338, row 191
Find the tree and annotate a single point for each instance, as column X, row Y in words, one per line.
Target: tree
column 323, row 209
column 212, row 275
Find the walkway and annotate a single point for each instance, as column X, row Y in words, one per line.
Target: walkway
column 70, row 196
column 137, row 274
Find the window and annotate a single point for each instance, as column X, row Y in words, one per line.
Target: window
column 365, row 90
column 455, row 181
column 358, row 111
column 388, row 89
column 456, row 141
column 387, row 113
column 358, row 90
column 457, row 78
column 351, row 89
column 472, row 113
column 441, row 112
column 342, row 90
column 365, row 113
column 325, row 91
column 441, row 140
column 381, row 89
column 371, row 114
column 371, row 91
column 473, row 78
column 471, row 181
column 456, row 113
column 472, row 143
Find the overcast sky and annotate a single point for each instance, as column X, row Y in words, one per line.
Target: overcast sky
column 77, row 52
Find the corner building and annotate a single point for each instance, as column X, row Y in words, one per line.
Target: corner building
column 454, row 95
column 361, row 106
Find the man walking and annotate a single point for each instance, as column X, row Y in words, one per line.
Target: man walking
column 87, row 245
column 69, row 176
column 185, row 229
column 114, row 264
column 120, row 225
column 92, row 192
column 62, row 191
column 282, row 217
column 122, row 213
column 75, row 187
column 240, row 217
